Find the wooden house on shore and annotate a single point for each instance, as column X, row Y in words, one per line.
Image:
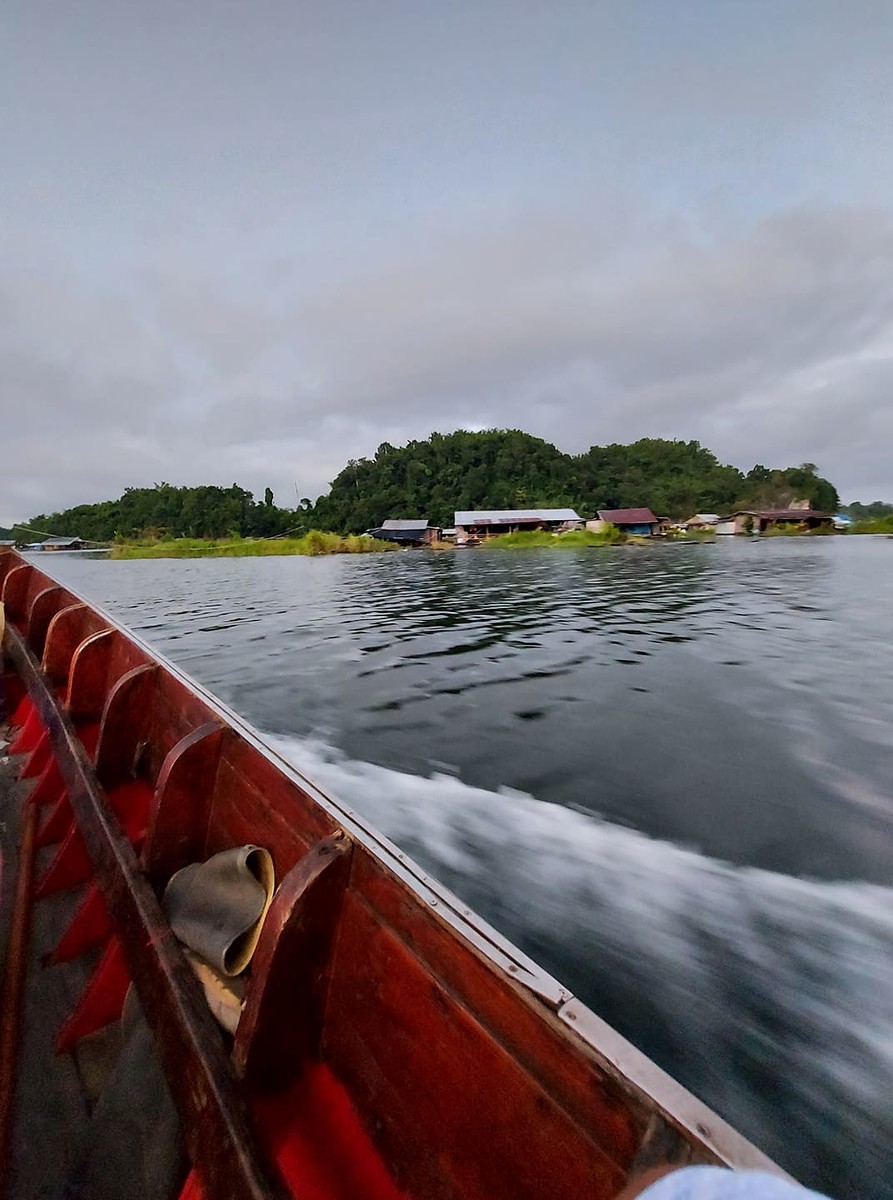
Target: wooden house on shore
column 768, row 519
column 640, row 521
column 702, row 522
column 406, row 532
column 479, row 524
column 58, row 543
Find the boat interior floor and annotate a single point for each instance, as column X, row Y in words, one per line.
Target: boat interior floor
column 55, row 1094
column 313, row 1130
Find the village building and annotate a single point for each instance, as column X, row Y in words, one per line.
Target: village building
column 702, row 521
column 761, row 520
column 406, row 532
column 58, row 543
column 628, row 520
column 475, row 525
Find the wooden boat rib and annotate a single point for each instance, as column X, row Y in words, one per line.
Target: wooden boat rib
column 391, row 1043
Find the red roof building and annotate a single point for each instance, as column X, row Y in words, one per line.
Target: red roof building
column 630, row 520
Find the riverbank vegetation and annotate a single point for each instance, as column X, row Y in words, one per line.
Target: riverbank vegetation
column 316, row 542
column 790, row 530
column 878, row 525
column 526, row 539
column 441, row 474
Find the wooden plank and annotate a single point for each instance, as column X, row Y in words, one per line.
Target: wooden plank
column 15, row 592
column 46, row 603
column 8, row 561
column 96, row 665
column 124, row 724
column 518, row 1019
column 253, row 793
column 452, row 1112
column 216, row 1124
column 176, row 711
column 65, row 632
column 181, row 808
column 15, row 969
column 274, row 818
column 281, row 1025
column 87, row 676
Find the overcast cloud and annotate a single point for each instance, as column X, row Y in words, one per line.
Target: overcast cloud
column 245, row 242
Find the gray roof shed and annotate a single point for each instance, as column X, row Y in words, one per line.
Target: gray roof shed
column 508, row 516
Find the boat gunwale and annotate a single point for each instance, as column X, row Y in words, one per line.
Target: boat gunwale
column 632, row 1069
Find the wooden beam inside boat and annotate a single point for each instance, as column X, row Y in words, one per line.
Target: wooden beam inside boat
column 217, row 1128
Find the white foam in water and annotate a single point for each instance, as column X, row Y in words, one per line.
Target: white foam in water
column 770, row 996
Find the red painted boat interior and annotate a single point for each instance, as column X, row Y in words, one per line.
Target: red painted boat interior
column 379, row 1053
column 316, row 1138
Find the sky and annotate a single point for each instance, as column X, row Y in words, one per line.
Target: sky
column 246, row 242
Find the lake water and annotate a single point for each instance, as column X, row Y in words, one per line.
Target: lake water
column 664, row 772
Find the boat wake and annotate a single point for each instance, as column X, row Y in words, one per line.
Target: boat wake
column 771, row 997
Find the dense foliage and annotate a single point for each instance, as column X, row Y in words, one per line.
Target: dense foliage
column 511, row 469
column 868, row 512
column 446, row 472
column 166, row 511
column 672, row 478
column 779, row 489
column 875, row 525
column 433, row 478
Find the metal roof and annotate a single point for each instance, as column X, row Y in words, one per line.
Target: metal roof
column 407, row 525
column 508, row 516
column 703, row 519
column 628, row 516
column 60, row 541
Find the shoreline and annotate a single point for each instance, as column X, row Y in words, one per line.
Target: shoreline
column 313, row 544
column 318, row 543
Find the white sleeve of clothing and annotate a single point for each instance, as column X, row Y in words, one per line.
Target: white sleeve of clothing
column 719, row 1183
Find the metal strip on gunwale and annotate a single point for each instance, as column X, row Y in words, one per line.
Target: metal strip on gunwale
column 619, row 1056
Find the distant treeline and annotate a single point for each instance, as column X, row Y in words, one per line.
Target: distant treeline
column 868, row 512
column 167, row 511
column 445, row 472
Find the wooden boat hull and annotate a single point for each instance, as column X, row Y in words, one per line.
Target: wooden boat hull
column 391, row 1043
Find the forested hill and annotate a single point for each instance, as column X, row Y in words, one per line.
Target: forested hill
column 511, row 469
column 445, row 472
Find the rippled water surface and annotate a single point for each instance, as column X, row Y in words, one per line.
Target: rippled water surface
column 665, row 772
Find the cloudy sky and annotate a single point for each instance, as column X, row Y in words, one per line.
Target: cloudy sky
column 247, row 241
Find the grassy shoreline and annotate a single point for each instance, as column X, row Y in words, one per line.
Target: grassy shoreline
column 875, row 525
column 530, row 538
column 314, row 543
column 317, row 542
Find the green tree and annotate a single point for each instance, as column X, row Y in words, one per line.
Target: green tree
column 781, row 488
column 431, row 478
